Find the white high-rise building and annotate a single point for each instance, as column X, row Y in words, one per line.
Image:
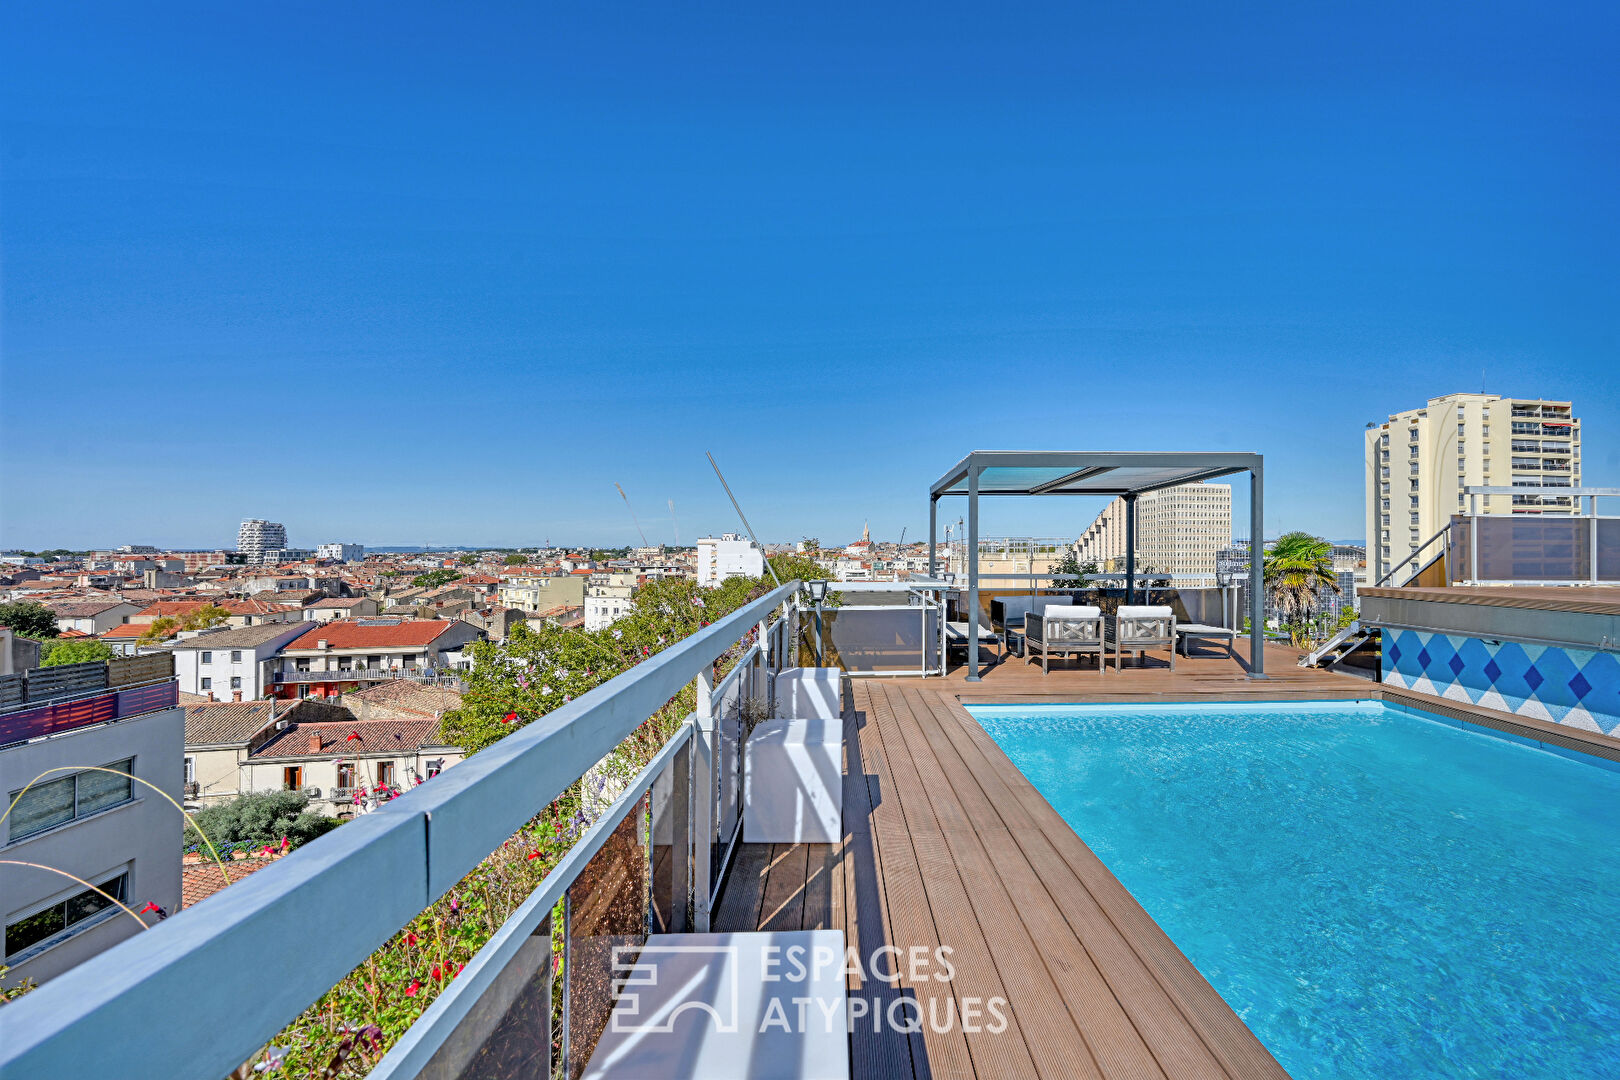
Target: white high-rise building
column 1178, row 531
column 1418, row 462
column 256, row 537
column 725, row 557
column 342, row 552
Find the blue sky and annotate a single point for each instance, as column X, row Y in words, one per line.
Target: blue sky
column 402, row 273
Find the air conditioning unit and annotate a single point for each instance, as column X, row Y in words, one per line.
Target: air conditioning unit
column 313, row 792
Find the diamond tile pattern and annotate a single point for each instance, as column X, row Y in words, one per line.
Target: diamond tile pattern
column 1568, row 686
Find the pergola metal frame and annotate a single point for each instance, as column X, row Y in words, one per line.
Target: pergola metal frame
column 1107, row 473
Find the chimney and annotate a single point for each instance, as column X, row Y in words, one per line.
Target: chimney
column 236, row 695
column 210, row 695
column 315, row 742
column 320, row 643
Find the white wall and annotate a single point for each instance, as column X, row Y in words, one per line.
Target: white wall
column 142, row 835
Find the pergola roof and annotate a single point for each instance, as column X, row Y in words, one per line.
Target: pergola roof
column 1086, row 472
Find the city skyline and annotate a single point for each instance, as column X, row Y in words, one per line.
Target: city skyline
column 838, row 261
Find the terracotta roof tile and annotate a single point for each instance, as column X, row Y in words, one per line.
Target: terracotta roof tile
column 375, row 737
column 366, row 634
column 199, row 881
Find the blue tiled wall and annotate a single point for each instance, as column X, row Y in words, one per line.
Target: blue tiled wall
column 1565, row 686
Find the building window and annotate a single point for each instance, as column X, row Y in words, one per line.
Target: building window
column 206, row 658
column 32, row 929
column 206, row 684
column 292, row 777
column 236, row 656
column 236, row 682
column 45, row 806
column 385, row 773
column 191, row 770
column 346, row 775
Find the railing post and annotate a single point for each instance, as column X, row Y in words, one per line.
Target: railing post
column 703, row 743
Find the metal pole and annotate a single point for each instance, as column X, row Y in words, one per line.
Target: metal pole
column 1130, row 549
column 933, row 514
column 818, row 633
column 1257, row 573
column 703, row 745
column 973, row 573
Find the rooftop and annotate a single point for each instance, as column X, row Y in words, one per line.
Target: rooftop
column 367, row 634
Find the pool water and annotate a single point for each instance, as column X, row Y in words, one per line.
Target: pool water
column 1377, row 893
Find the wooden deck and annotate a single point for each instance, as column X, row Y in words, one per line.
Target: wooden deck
column 948, row 845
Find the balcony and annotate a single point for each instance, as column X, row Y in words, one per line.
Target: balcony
column 369, row 674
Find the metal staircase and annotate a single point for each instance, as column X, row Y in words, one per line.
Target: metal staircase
column 1338, row 646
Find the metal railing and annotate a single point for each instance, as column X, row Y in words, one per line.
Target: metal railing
column 423, row 843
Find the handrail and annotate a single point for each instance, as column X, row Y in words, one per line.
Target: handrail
column 423, row 1039
column 1415, row 553
column 421, row 843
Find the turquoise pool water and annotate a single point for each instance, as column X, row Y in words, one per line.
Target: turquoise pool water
column 1378, row 893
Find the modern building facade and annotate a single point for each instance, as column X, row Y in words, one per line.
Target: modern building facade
column 727, row 556
column 342, row 552
column 257, row 538
column 1179, row 530
column 66, row 773
column 1418, row 462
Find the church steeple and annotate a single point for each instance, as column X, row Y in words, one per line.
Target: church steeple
column 866, row 533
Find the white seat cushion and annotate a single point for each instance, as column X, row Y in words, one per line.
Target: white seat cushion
column 1078, row 612
column 1145, row 611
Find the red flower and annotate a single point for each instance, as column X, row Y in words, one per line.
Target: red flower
column 150, row 907
column 285, row 844
column 531, row 856
column 410, row 939
column 459, row 968
column 353, row 735
column 511, row 716
column 410, row 991
column 437, row 974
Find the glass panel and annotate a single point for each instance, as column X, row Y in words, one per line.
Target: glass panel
column 99, row 790
column 89, row 902
column 883, row 639
column 1526, row 548
column 33, row 929
column 1608, row 553
column 671, row 840
column 41, row 807
column 606, row 909
column 520, row 1047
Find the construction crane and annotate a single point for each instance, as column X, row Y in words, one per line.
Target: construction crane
column 632, row 510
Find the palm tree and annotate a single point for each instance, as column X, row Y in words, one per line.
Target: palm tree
column 1297, row 568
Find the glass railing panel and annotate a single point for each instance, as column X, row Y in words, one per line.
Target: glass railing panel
column 606, row 915
column 671, row 844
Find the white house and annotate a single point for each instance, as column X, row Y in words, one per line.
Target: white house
column 91, row 616
column 235, row 664
column 727, row 556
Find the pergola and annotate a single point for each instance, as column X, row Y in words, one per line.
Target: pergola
column 1086, row 472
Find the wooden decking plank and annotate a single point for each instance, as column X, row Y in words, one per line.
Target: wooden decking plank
column 1156, row 1024
column 821, row 865
column 1238, row 1050
column 738, row 910
column 1048, row 1040
column 783, row 907
column 878, row 1050
column 948, row 892
column 911, row 919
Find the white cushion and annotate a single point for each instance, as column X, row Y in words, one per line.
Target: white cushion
column 1145, row 611
column 810, row 692
column 793, row 786
column 1078, row 612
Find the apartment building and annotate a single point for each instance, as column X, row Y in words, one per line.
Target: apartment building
column 257, row 537
column 332, row 657
column 1179, row 530
column 91, row 616
column 536, row 594
column 85, row 815
column 347, row 553
column 232, row 665
column 727, row 556
column 1418, row 462
column 335, row 761
column 608, row 598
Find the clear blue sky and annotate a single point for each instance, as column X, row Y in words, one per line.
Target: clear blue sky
column 397, row 273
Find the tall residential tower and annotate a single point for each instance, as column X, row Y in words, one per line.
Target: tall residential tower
column 1418, row 462
column 1178, row 531
column 257, row 536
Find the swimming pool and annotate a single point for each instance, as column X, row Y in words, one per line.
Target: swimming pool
column 1377, row 892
